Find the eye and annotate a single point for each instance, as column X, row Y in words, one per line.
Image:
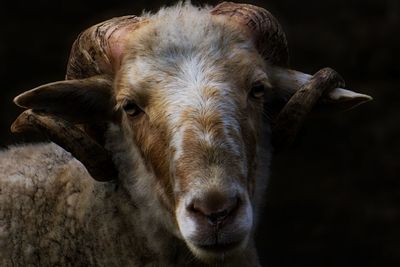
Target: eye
column 257, row 91
column 131, row 108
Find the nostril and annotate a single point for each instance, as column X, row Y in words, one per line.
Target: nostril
column 217, row 217
column 215, row 211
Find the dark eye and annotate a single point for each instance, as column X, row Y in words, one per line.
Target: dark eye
column 257, row 91
column 131, row 108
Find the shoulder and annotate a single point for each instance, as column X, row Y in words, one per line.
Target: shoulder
column 34, row 164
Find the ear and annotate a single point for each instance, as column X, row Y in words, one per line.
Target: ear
column 287, row 82
column 89, row 100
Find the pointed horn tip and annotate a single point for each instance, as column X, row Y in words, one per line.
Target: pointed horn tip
column 349, row 96
column 17, row 127
column 21, row 123
column 367, row 98
column 359, row 101
column 349, row 103
column 362, row 98
column 14, row 128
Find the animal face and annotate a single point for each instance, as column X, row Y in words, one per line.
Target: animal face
column 179, row 97
column 194, row 109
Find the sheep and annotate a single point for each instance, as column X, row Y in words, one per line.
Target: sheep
column 163, row 131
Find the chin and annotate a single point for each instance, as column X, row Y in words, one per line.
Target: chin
column 219, row 252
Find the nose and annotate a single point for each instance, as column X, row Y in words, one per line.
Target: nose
column 216, row 208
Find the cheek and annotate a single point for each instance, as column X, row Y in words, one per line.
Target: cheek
column 152, row 142
column 251, row 137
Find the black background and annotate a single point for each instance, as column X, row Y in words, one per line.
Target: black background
column 334, row 195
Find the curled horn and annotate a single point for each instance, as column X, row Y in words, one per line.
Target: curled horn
column 96, row 53
column 261, row 26
column 291, row 117
column 98, row 50
column 305, row 90
column 95, row 158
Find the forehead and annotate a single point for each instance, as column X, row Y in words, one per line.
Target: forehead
column 189, row 56
column 185, row 74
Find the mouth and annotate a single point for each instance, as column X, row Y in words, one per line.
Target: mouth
column 219, row 247
column 215, row 236
column 212, row 253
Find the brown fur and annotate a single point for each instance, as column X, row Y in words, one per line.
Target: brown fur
column 199, row 133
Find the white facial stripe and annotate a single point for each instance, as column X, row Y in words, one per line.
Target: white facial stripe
column 189, row 90
column 207, row 138
column 177, row 142
column 192, row 70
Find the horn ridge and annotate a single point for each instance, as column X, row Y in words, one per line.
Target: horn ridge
column 93, row 156
column 92, row 52
column 266, row 31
